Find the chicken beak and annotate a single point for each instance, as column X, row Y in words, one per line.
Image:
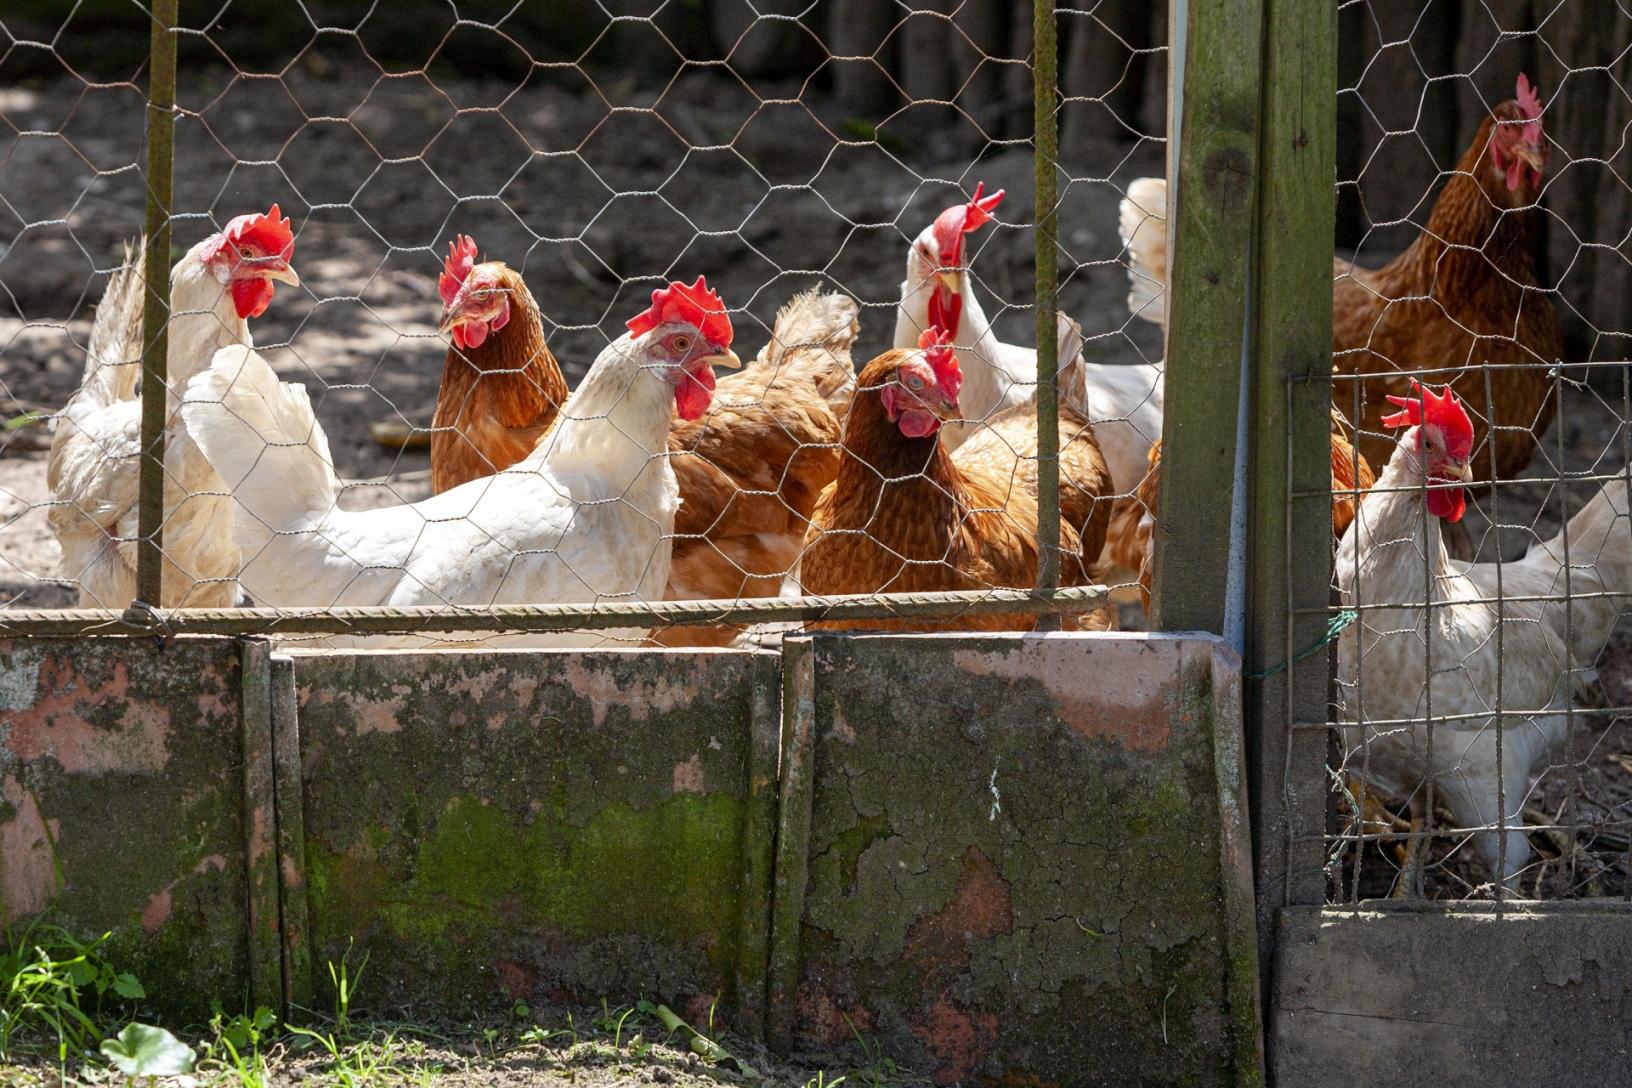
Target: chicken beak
column 450, row 318
column 949, row 280
column 726, row 358
column 283, row 272
column 1462, row 472
column 1533, row 157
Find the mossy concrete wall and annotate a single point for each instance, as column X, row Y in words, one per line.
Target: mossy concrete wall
column 1004, row 859
column 1025, row 859
column 571, row 825
column 121, row 787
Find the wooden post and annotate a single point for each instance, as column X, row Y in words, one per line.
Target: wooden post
column 1289, row 574
column 161, row 130
column 1251, row 217
column 1213, row 154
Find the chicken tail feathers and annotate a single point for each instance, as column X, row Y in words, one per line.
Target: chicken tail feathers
column 263, row 439
column 1143, row 227
column 113, row 355
column 1600, row 569
column 813, row 337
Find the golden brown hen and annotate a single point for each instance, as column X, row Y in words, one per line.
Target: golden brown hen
column 906, row 515
column 1463, row 294
column 751, row 470
column 501, row 387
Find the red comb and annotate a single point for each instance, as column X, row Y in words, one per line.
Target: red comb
column 695, row 305
column 936, row 343
column 270, row 232
column 1424, row 405
column 958, row 220
column 1529, row 100
column 461, row 259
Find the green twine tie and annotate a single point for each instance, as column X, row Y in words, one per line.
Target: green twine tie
column 1333, row 629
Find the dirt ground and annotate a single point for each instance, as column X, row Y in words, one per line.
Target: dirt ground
column 534, row 1048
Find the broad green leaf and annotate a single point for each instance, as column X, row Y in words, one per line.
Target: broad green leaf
column 142, row 1050
column 126, row 986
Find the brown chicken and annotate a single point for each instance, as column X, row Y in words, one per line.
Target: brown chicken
column 752, row 469
column 501, row 387
column 906, row 515
column 1463, row 294
column 1133, row 545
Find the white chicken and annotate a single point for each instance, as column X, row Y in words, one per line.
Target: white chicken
column 1123, row 403
column 95, row 460
column 588, row 515
column 1465, row 656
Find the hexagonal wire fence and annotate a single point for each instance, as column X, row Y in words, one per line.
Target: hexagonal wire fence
column 598, row 151
column 1478, row 743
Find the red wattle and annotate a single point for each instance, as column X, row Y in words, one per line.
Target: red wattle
column 251, row 297
column 694, row 393
column 470, row 335
column 1449, row 503
column 945, row 308
column 918, row 423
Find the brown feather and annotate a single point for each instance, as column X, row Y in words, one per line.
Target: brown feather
column 904, row 515
column 496, row 400
column 752, row 468
column 1463, row 294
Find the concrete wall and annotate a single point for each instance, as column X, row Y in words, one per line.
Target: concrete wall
column 1006, row 859
column 121, row 789
column 1460, row 995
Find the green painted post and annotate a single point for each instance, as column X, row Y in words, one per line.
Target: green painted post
column 1213, row 157
column 1289, row 574
column 1046, row 141
column 161, row 131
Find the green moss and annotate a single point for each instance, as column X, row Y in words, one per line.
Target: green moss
column 655, row 873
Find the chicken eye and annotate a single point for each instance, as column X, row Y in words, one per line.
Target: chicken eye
column 681, row 343
column 914, row 382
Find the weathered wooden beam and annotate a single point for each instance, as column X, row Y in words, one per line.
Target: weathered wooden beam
column 1213, row 156
column 1289, row 565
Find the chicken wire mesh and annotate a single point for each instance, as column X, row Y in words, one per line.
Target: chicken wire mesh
column 1477, row 720
column 600, row 151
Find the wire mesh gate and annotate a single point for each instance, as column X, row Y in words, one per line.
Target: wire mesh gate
column 1476, row 727
column 655, row 143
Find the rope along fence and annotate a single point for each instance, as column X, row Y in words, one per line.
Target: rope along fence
column 434, row 355
column 1478, row 719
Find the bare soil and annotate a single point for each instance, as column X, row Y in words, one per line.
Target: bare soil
column 539, row 1048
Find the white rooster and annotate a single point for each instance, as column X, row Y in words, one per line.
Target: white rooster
column 215, row 288
column 1124, row 403
column 1403, row 665
column 588, row 515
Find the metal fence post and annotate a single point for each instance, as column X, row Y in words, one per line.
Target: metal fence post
column 161, row 130
column 1045, row 136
